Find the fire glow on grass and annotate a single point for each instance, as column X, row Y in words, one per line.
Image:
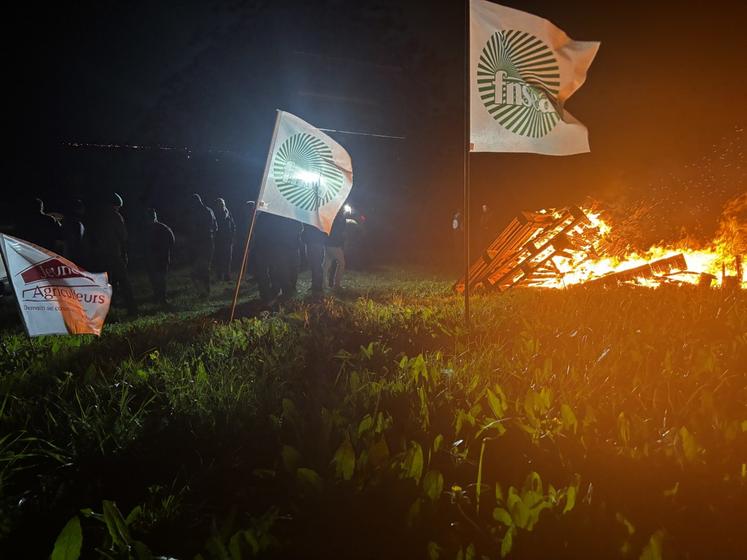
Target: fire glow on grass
column 705, row 265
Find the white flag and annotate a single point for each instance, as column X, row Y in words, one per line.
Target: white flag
column 54, row 295
column 522, row 70
column 308, row 175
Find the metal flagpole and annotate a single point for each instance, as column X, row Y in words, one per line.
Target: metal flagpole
column 254, row 217
column 466, row 148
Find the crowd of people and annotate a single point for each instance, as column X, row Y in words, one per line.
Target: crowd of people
column 280, row 245
column 98, row 241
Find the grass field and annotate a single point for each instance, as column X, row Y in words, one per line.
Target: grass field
column 575, row 424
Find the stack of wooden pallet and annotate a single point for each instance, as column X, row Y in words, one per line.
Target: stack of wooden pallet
column 524, row 251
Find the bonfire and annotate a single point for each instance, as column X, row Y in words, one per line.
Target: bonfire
column 558, row 248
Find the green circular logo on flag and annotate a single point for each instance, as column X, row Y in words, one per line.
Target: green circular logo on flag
column 515, row 74
column 305, row 173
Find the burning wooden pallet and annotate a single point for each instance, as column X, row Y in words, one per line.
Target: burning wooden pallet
column 529, row 250
column 558, row 248
column 523, row 252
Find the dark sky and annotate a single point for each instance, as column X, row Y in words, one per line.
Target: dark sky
column 664, row 100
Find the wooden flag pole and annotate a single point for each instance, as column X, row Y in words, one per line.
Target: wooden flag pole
column 466, row 148
column 255, row 209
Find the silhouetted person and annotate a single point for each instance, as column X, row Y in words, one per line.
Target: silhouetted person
column 314, row 239
column 261, row 251
column 456, row 222
column 107, row 239
column 487, row 226
column 457, row 238
column 201, row 228
column 39, row 227
column 159, row 241
column 276, row 244
column 224, row 239
column 334, row 251
column 285, row 256
column 73, row 232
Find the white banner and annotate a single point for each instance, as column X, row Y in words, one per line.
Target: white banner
column 54, row 295
column 308, row 175
column 522, row 69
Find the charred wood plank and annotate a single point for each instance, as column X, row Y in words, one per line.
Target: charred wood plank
column 653, row 269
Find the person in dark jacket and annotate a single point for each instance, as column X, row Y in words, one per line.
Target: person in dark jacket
column 261, row 251
column 73, row 231
column 107, row 237
column 487, row 226
column 457, row 240
column 159, row 244
column 38, row 227
column 276, row 245
column 314, row 238
column 224, row 239
column 334, row 251
column 201, row 230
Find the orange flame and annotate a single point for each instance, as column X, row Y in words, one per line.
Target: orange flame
column 710, row 262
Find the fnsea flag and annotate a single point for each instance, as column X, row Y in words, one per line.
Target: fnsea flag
column 308, row 175
column 522, row 69
column 55, row 296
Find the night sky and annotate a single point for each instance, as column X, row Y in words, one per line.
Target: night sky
column 664, row 102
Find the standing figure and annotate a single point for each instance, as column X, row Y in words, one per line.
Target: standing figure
column 159, row 244
column 276, row 243
column 334, row 251
column 224, row 239
column 38, row 227
column 107, row 237
column 261, row 252
column 487, row 225
column 314, row 239
column 73, row 231
column 284, row 268
column 457, row 238
column 200, row 237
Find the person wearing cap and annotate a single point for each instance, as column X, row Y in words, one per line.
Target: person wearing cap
column 224, row 239
column 107, row 241
column 159, row 244
column 201, row 229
